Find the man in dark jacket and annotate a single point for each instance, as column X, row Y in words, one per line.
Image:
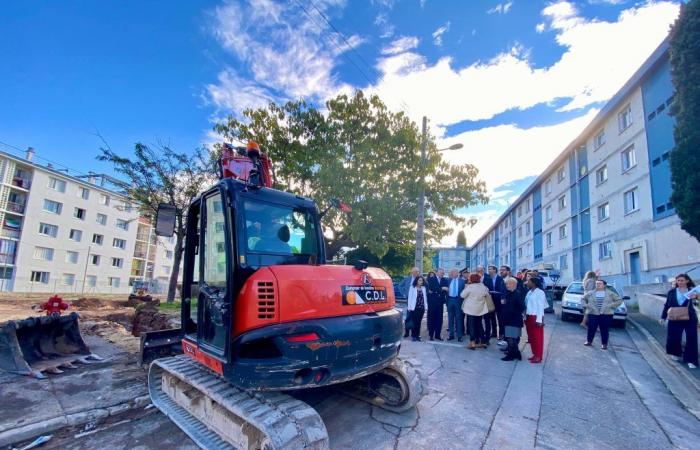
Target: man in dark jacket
column 497, row 293
column 512, row 310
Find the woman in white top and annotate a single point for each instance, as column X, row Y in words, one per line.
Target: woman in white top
column 417, row 298
column 536, row 302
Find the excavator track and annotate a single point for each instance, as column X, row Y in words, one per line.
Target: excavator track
column 218, row 415
column 397, row 388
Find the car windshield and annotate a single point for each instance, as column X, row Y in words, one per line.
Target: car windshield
column 279, row 229
column 575, row 288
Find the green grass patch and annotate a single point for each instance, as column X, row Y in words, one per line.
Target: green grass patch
column 176, row 305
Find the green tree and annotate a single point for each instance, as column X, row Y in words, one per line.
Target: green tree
column 162, row 175
column 369, row 157
column 685, row 158
column 461, row 239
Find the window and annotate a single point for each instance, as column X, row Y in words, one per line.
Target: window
column 166, row 270
column 624, row 118
column 527, row 228
column 43, row 253
column 114, row 282
column 91, row 281
column 47, row 229
column 79, row 213
column 601, row 175
column 104, row 199
column 520, row 231
column 122, row 224
column 52, row 206
column 119, row 243
column 520, row 252
column 548, row 239
column 95, row 260
column 520, row 210
column 561, row 174
column 101, row 219
column 562, row 202
column 548, row 213
column 56, row 184
column 629, row 158
column 75, row 235
column 169, row 254
column 71, row 257
column 603, row 211
column 605, row 250
column 562, row 261
column 527, row 205
column 97, row 239
column 83, row 193
column 214, row 261
column 599, row 140
column 118, row 262
column 40, row 277
column 68, row 279
column 548, row 187
column 631, row 200
column 562, row 231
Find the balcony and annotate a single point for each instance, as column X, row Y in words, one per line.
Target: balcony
column 7, row 258
column 21, row 182
column 11, row 233
column 15, row 207
column 139, row 254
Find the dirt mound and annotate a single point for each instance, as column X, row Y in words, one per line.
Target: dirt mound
column 113, row 332
column 148, row 318
column 84, row 303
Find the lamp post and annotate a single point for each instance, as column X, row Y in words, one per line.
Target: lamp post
column 420, row 228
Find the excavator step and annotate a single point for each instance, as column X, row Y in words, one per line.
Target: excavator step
column 217, row 415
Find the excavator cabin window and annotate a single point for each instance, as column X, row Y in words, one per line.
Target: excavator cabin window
column 280, row 230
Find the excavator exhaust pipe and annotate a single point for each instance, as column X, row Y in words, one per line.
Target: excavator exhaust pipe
column 36, row 345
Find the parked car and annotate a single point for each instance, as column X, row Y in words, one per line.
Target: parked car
column 572, row 308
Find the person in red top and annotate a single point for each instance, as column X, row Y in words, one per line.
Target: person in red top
column 54, row 306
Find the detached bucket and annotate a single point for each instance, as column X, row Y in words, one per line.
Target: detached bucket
column 42, row 344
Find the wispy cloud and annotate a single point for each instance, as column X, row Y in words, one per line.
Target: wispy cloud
column 540, row 27
column 400, row 45
column 437, row 34
column 501, row 8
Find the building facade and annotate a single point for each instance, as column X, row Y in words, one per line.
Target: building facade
column 604, row 203
column 63, row 234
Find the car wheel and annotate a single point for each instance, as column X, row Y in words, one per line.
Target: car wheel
column 620, row 323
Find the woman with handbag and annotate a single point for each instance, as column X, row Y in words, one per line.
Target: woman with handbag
column 599, row 305
column 681, row 316
column 512, row 310
column 475, row 305
column 417, row 297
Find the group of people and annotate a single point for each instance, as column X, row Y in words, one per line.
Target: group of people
column 481, row 305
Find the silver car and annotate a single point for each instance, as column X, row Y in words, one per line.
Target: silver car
column 572, row 307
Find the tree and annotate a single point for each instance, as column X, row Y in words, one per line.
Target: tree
column 685, row 157
column 461, row 239
column 397, row 261
column 162, row 176
column 369, row 157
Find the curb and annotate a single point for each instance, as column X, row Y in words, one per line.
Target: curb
column 28, row 431
column 661, row 353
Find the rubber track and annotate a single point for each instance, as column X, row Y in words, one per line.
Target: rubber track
column 287, row 423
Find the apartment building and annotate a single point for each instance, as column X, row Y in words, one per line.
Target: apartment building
column 65, row 234
column 152, row 257
column 604, row 203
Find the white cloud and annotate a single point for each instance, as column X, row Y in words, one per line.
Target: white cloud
column 540, row 27
column 437, row 34
column 401, row 45
column 449, row 94
column 501, row 8
column 284, row 49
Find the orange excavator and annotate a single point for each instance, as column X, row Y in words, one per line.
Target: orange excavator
column 263, row 314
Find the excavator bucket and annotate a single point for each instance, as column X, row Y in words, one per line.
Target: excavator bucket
column 36, row 345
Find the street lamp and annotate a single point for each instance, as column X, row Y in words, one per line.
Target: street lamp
column 420, row 228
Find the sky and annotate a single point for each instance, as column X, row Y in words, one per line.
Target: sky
column 513, row 81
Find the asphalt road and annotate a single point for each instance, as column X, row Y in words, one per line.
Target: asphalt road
column 581, row 397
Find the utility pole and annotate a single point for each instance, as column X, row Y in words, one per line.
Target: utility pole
column 87, row 260
column 421, row 198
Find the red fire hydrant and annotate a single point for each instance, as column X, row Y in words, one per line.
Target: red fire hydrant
column 54, row 305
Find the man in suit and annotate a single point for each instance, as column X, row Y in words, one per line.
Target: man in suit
column 405, row 286
column 444, row 283
column 498, row 292
column 455, row 321
column 485, row 278
column 505, row 272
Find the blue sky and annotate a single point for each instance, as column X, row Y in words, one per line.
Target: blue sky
column 514, row 81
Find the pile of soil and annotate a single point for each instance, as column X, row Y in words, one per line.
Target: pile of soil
column 148, row 318
column 113, row 332
column 83, row 303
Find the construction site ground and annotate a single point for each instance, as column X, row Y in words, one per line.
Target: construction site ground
column 473, row 399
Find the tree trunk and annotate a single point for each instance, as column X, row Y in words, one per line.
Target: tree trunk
column 177, row 258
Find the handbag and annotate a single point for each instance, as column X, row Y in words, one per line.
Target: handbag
column 489, row 303
column 678, row 313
